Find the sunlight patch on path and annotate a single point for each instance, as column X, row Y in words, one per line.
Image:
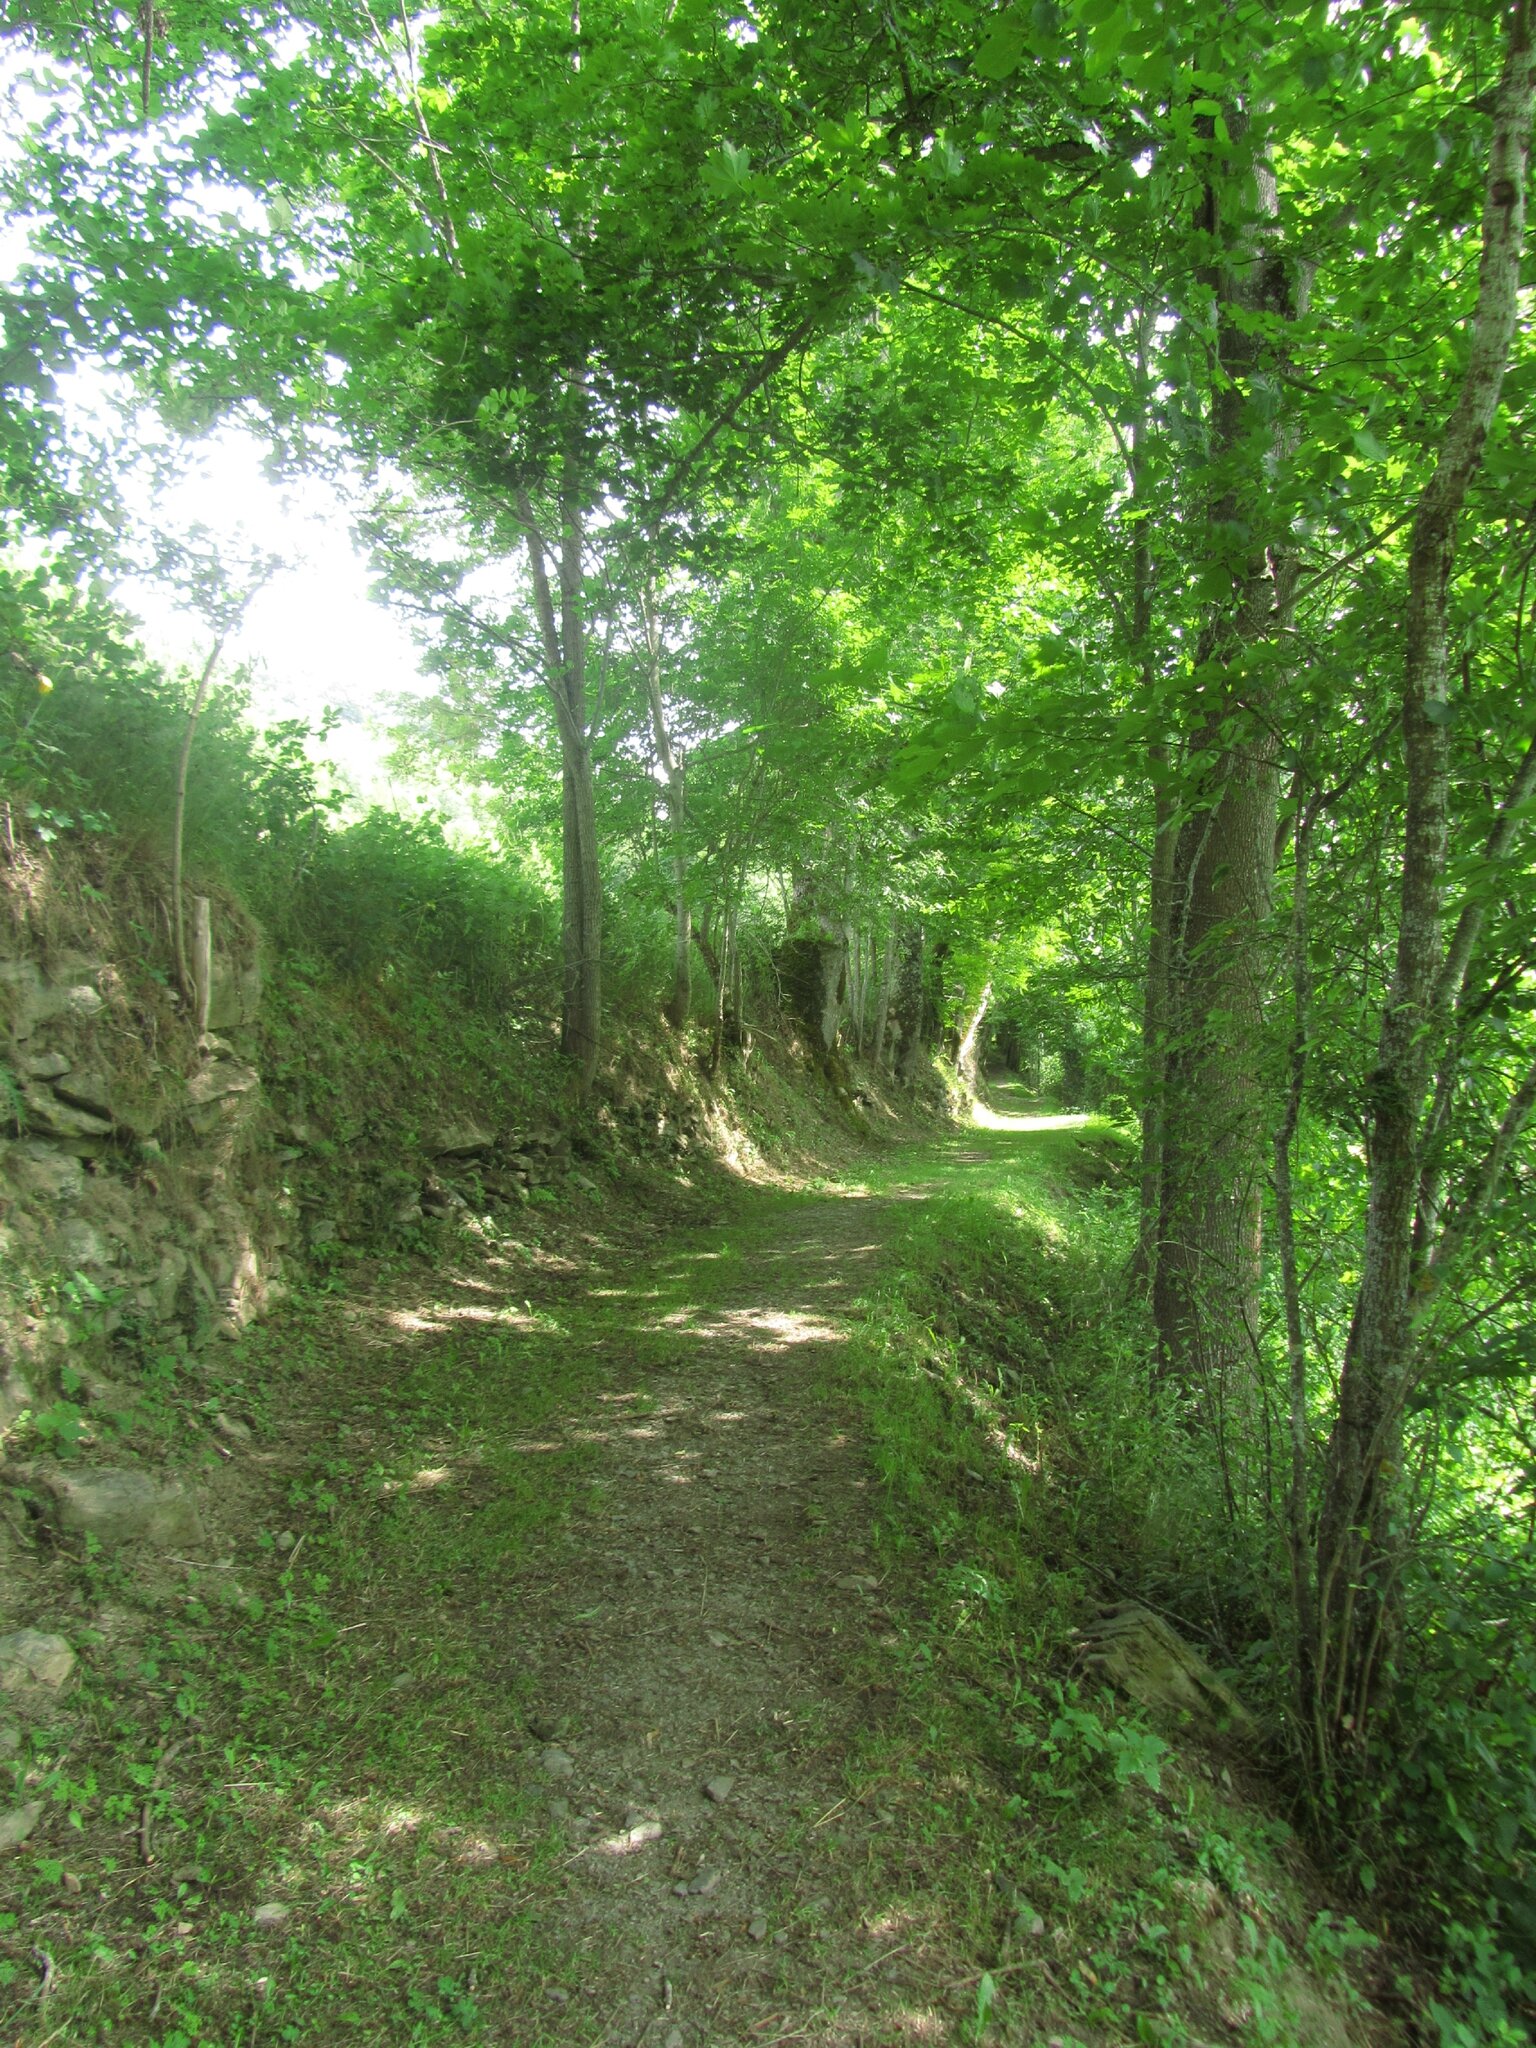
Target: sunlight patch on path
column 771, row 1329
column 994, row 1120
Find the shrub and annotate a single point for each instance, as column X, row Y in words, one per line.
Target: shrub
column 388, row 893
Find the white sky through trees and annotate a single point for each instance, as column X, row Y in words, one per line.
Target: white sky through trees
column 312, row 638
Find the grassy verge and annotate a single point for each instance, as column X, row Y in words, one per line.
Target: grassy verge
column 286, row 1798
column 1116, row 1879
column 277, row 1809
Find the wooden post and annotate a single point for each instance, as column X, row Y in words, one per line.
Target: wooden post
column 202, row 960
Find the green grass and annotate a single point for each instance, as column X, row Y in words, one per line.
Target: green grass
column 327, row 1727
column 338, row 1723
column 1002, row 1381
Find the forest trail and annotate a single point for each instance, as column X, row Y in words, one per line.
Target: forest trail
column 543, row 1678
column 696, row 1649
column 725, row 1593
column 566, row 1668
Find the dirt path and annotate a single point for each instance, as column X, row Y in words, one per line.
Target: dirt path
column 699, row 1702
column 543, row 1680
column 702, row 1711
column 523, row 1685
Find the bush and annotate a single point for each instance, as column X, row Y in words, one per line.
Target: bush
column 90, row 730
column 390, row 894
column 88, row 725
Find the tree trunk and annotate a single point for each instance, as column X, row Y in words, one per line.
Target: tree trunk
column 1206, row 1277
column 1033, row 1063
column 887, row 988
column 856, row 988
column 1074, row 1075
column 1358, row 1545
column 813, row 966
column 735, row 1017
column 202, row 962
column 680, row 1001
column 1154, row 1015
column 1154, row 1018
column 910, row 1007
column 1297, row 1502
column 1206, row 1273
column 968, row 1054
column 564, row 641
column 682, row 965
column 184, row 979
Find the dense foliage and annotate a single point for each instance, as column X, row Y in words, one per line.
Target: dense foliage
column 1008, row 519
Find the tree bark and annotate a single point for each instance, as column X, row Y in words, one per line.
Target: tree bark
column 1154, row 1018
column 202, row 961
column 856, row 987
column 734, row 1018
column 680, row 1001
column 1206, row 1277
column 1358, row 1545
column 968, row 1053
column 813, row 965
column 910, row 1006
column 887, row 988
column 1297, row 1505
column 563, row 635
column 184, row 978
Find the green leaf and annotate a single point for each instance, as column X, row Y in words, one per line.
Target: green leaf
column 1000, row 55
column 1368, row 446
column 1104, row 45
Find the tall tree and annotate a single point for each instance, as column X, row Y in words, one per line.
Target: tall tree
column 1211, row 1122
column 1359, row 1537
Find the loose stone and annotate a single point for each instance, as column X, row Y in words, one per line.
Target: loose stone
column 16, row 1825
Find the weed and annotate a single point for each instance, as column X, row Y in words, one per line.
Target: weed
column 995, row 1376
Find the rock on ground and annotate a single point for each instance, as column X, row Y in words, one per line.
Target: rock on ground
column 1148, row 1660
column 16, row 1825
column 125, row 1507
column 31, row 1661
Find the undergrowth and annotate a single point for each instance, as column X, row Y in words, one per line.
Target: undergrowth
column 307, row 1727
column 1123, row 1872
column 1030, row 1454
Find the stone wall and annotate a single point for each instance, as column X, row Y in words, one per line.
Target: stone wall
column 135, row 1172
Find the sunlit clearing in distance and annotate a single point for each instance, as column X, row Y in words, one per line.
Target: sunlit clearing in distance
column 994, row 1120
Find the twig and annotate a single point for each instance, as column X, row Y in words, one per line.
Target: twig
column 1001, row 1970
column 147, row 1815
column 889, row 1956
